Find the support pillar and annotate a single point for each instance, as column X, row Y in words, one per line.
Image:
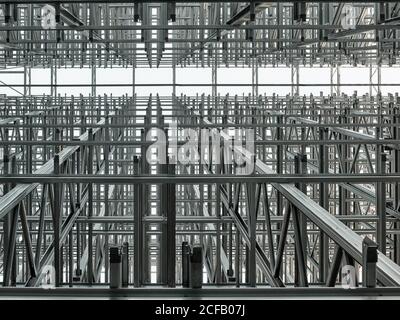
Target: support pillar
column 53, row 79
column 370, row 258
column 295, row 80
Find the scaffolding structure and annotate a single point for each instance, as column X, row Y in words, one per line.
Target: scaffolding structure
column 277, row 191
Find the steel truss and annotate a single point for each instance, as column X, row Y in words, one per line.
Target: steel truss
column 78, row 174
column 249, row 223
column 199, row 34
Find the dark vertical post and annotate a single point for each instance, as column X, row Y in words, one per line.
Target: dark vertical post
column 115, row 267
column 90, row 210
column 381, row 202
column 56, row 223
column 185, row 264
column 252, row 216
column 370, row 258
column 196, row 267
column 171, row 223
column 323, row 262
column 137, row 243
column 300, row 231
column 125, row 264
column 396, row 169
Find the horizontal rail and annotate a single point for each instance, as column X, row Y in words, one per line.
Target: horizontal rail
column 200, row 179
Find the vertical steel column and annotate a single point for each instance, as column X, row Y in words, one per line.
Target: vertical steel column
column 171, row 230
column 302, row 169
column 14, row 226
column 374, row 79
column 57, row 223
column 253, row 236
column 27, row 68
column 279, row 168
column 229, row 187
column 254, row 76
column 238, row 265
column 185, row 260
column 93, row 71
column 282, row 240
column 125, row 264
column 214, row 73
column 106, row 190
column 163, row 238
column 44, row 199
column 343, row 194
column 163, row 207
column 53, row 79
column 323, row 261
column 6, row 188
column 145, row 193
column 174, row 79
column 27, row 80
column 90, row 208
column 295, row 79
column 78, row 201
column 134, row 82
column 396, row 169
column 9, row 255
column 300, row 227
column 251, row 189
column 225, row 169
column 30, row 261
column 218, row 271
column 381, row 200
column 335, row 83
column 29, row 158
column 70, row 258
column 138, row 237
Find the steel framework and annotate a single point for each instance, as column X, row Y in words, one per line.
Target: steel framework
column 78, row 174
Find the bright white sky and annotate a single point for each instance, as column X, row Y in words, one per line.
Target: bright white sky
column 200, row 75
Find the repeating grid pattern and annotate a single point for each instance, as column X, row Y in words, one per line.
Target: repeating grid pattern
column 78, row 174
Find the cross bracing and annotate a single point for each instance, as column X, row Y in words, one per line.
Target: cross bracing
column 290, row 205
column 144, row 34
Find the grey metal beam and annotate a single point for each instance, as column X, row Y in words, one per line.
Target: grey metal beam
column 388, row 271
column 12, row 198
column 186, row 179
column 206, row 291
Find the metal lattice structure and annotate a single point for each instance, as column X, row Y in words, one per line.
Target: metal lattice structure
column 76, row 176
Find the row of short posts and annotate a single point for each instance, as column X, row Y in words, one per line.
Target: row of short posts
column 119, row 266
column 192, row 266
